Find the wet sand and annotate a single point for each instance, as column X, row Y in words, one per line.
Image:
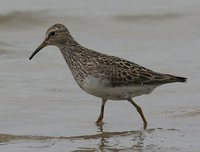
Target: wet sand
column 43, row 109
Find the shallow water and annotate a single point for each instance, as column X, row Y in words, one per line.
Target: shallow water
column 42, row 108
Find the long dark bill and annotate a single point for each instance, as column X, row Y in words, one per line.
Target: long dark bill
column 42, row 45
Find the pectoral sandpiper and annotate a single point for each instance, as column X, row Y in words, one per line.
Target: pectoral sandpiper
column 104, row 76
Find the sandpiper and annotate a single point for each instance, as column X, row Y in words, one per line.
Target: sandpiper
column 104, row 76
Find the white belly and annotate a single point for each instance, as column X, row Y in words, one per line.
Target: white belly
column 99, row 88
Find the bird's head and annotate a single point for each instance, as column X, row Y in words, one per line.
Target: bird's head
column 56, row 35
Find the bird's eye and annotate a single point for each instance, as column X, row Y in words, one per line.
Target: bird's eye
column 52, row 33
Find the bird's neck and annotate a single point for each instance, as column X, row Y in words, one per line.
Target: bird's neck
column 76, row 57
column 73, row 50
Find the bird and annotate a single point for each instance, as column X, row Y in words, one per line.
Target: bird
column 104, row 76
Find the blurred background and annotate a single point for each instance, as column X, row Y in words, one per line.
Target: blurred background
column 43, row 109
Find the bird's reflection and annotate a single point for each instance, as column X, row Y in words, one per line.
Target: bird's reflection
column 100, row 127
column 134, row 140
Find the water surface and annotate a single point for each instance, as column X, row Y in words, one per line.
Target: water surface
column 43, row 109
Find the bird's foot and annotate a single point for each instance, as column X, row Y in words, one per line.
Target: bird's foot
column 145, row 125
column 99, row 122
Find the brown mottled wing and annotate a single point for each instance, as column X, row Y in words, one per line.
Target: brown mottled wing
column 122, row 72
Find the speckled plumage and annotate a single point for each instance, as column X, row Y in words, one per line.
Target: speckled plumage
column 104, row 76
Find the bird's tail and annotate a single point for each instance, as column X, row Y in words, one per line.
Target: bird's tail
column 181, row 79
column 177, row 79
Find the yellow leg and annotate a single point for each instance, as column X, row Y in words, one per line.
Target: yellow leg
column 139, row 109
column 99, row 120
